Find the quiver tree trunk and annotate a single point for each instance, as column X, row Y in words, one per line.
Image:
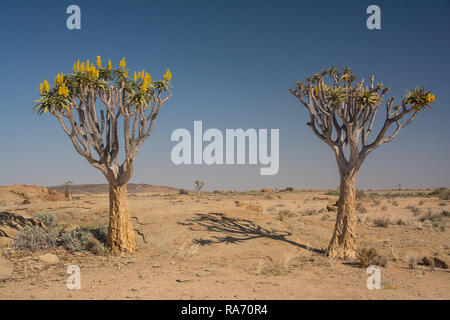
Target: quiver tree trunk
column 343, row 242
column 120, row 229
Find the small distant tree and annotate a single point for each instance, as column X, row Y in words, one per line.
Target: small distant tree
column 198, row 187
column 342, row 114
column 93, row 128
column 67, row 190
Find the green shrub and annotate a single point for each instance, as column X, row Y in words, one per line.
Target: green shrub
column 441, row 193
column 36, row 238
column 47, row 218
column 80, row 239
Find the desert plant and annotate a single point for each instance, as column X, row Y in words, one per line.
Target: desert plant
column 73, row 101
column 369, row 256
column 416, row 211
column 285, row 213
column 441, row 193
column 342, row 114
column 182, row 191
column 67, row 190
column 309, row 212
column 35, row 238
column 381, row 222
column 360, row 208
column 198, row 186
column 47, row 218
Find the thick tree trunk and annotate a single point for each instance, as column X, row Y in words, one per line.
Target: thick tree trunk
column 343, row 242
column 120, row 230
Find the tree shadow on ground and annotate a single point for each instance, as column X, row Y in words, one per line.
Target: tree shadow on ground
column 236, row 231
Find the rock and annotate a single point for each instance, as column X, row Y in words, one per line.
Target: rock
column 203, row 273
column 25, row 194
column 12, row 223
column 6, row 268
column 49, row 258
column 4, row 242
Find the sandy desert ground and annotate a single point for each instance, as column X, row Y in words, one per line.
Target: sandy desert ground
column 239, row 245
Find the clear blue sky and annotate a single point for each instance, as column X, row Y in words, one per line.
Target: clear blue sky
column 232, row 64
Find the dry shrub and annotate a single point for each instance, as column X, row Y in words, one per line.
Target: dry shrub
column 369, row 256
column 381, row 222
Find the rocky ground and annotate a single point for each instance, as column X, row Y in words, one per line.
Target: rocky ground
column 226, row 245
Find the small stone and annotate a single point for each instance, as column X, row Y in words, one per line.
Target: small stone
column 4, row 242
column 49, row 258
column 203, row 273
column 6, row 269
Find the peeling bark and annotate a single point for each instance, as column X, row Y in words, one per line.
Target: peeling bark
column 343, row 242
column 120, row 230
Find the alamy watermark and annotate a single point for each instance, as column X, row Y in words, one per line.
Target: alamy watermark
column 213, row 152
column 374, row 279
column 74, row 281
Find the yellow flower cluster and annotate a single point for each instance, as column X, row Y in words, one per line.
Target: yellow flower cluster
column 108, row 67
column 147, row 79
column 59, row 79
column 45, row 87
column 430, row 97
column 122, row 63
column 89, row 67
column 63, row 90
column 167, row 75
column 99, row 62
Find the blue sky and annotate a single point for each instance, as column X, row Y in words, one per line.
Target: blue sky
column 232, row 63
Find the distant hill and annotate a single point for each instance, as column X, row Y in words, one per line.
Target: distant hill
column 104, row 188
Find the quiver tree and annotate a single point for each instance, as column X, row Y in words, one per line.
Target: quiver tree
column 198, row 187
column 342, row 114
column 67, row 191
column 93, row 127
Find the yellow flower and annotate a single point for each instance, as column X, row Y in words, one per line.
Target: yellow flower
column 167, row 75
column 78, row 65
column 122, row 63
column 82, row 67
column 41, row 89
column 97, row 73
column 144, row 86
column 135, row 77
column 108, row 67
column 46, row 86
column 74, row 67
column 99, row 62
column 87, row 64
column 433, row 98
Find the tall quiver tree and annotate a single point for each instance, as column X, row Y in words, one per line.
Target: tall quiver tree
column 93, row 128
column 342, row 114
column 67, row 191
